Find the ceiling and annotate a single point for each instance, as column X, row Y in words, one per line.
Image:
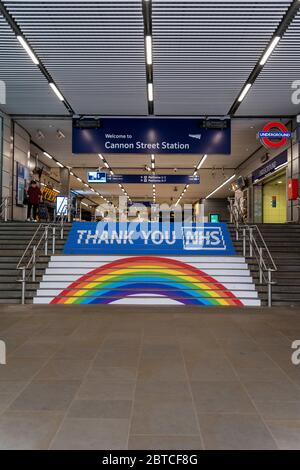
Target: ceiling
column 203, row 54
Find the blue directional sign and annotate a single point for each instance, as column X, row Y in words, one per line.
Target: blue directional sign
column 153, row 135
column 102, row 177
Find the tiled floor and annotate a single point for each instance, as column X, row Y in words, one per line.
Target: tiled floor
column 104, row 377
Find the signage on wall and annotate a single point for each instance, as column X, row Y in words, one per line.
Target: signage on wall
column 157, row 238
column 102, row 177
column 22, row 174
column 151, row 135
column 269, row 167
column 49, row 194
column 274, row 135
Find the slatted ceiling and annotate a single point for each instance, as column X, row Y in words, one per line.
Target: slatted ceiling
column 93, row 49
column 204, row 51
column 273, row 86
column 27, row 90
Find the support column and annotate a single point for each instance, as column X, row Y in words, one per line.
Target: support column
column 64, row 174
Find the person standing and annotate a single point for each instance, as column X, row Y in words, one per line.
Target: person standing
column 34, row 196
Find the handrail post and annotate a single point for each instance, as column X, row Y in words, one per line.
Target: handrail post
column 62, row 229
column 23, row 281
column 46, row 241
column 244, row 242
column 5, row 209
column 260, row 265
column 251, row 242
column 33, row 262
column 53, row 240
column 269, row 287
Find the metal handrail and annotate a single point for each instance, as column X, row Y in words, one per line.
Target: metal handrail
column 4, row 208
column 257, row 247
column 40, row 238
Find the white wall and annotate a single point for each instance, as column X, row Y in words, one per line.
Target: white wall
column 21, row 154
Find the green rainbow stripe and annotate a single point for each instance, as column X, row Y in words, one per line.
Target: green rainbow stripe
column 147, row 275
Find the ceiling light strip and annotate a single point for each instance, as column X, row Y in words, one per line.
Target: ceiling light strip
column 26, row 45
column 221, row 186
column 278, row 34
column 147, row 14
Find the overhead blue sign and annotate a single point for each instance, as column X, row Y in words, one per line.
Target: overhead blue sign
column 153, row 135
column 153, row 238
column 101, row 177
column 269, row 167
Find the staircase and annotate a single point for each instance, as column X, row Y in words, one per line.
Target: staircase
column 14, row 237
column 283, row 241
column 152, row 280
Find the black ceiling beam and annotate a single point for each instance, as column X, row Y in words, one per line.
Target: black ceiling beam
column 18, row 32
column 68, row 117
column 147, row 15
column 280, row 30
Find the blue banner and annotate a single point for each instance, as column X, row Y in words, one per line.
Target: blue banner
column 153, row 238
column 269, row 167
column 152, row 136
column 102, row 177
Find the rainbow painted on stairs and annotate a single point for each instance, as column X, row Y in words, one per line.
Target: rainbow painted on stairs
column 161, row 276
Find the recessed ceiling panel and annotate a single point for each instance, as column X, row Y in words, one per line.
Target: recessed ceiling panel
column 27, row 90
column 204, row 51
column 272, row 91
column 94, row 51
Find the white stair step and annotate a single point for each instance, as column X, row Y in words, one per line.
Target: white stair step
column 97, row 264
column 54, row 277
column 210, row 272
column 147, row 301
column 184, row 259
column 238, row 294
column 230, row 286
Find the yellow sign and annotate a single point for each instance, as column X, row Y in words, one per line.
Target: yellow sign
column 49, row 194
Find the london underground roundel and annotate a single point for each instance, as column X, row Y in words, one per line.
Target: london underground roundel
column 274, row 135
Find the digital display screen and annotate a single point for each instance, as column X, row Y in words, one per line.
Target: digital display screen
column 96, row 177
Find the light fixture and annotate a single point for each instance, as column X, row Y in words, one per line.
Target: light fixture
column 99, row 155
column 152, row 157
column 221, row 186
column 48, row 155
column 56, row 91
column 60, row 134
column 270, row 50
column 244, row 92
column 71, row 173
column 79, row 179
column 150, row 91
column 28, row 50
column 111, row 172
column 106, row 164
column 201, row 162
column 85, row 184
column 59, row 164
column 148, row 50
